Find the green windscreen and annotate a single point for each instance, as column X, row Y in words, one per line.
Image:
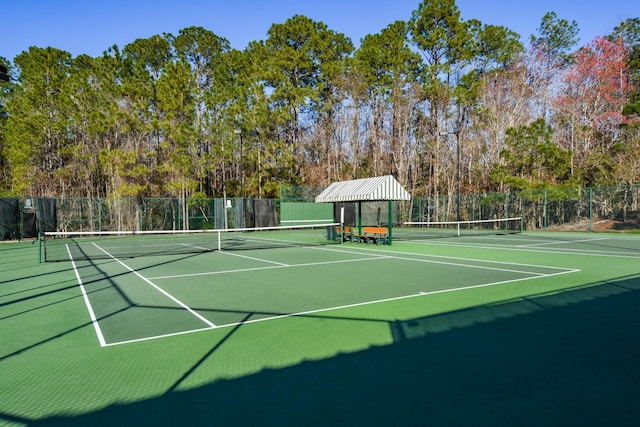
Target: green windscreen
column 305, row 213
column 9, row 218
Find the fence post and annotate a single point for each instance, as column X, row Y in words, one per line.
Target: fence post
column 590, row 209
column 544, row 210
column 506, row 204
column 179, row 224
column 473, row 206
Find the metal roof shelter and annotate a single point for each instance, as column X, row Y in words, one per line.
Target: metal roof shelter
column 366, row 189
column 381, row 188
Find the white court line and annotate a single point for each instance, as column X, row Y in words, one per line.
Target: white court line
column 459, row 264
column 480, row 267
column 420, row 294
column 271, row 267
column 155, row 337
column 255, row 258
column 443, row 256
column 379, row 254
column 162, row 291
column 92, row 315
column 573, row 251
column 340, row 307
column 561, row 242
column 388, row 255
column 196, row 247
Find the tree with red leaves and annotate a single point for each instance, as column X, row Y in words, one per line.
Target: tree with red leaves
column 588, row 109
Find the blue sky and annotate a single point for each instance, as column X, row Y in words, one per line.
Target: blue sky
column 92, row 26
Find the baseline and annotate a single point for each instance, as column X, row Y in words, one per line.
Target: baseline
column 523, row 248
column 410, row 256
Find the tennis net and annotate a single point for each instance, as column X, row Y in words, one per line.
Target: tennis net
column 428, row 230
column 66, row 246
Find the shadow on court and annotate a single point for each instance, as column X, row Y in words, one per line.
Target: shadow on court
column 564, row 359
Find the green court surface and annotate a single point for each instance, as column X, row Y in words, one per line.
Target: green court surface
column 517, row 329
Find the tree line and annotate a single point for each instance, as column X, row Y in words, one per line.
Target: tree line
column 444, row 105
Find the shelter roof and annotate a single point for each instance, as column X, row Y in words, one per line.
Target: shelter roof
column 367, row 189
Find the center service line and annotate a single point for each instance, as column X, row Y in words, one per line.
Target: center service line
column 168, row 295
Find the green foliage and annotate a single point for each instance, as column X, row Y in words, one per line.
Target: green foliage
column 495, row 46
column 629, row 32
column 39, row 119
column 303, row 58
column 386, row 58
column 159, row 117
column 557, row 37
column 443, row 39
column 531, row 159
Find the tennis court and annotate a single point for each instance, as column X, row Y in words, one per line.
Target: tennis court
column 188, row 293
column 421, row 328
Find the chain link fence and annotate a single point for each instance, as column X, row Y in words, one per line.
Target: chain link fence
column 148, row 214
column 561, row 209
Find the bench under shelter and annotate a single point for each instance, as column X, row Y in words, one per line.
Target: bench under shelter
column 348, row 198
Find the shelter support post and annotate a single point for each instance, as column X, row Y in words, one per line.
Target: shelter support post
column 389, row 225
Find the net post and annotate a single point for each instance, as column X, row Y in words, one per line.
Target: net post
column 389, row 225
column 458, row 228
column 39, row 248
column 219, row 240
column 341, row 224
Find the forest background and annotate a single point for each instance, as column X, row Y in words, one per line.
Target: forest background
column 445, row 105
